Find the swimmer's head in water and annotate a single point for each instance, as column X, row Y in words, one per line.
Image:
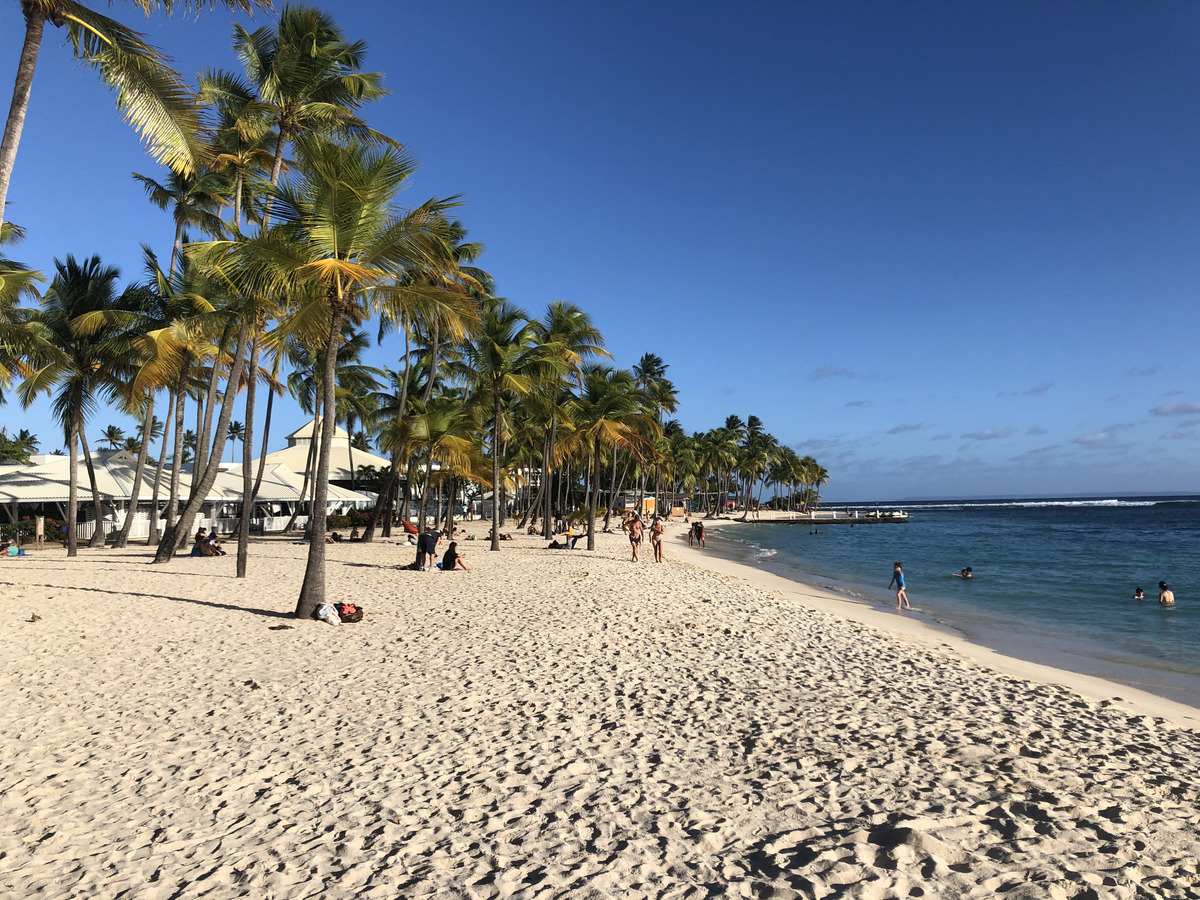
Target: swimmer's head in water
column 1162, row 585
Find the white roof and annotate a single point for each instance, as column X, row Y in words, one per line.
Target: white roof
column 341, row 456
column 49, row 482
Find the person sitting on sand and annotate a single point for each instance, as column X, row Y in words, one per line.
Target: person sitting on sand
column 354, row 535
column 453, row 559
column 1165, row 595
column 204, row 545
column 1139, row 594
column 214, row 541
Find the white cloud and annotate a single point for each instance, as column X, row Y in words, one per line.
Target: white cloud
column 1176, row 409
column 990, row 434
column 830, row 372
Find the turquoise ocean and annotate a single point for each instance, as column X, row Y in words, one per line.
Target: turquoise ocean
column 1054, row 578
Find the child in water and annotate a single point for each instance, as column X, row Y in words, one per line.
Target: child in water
column 898, row 580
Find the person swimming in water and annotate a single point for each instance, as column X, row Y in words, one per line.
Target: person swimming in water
column 965, row 573
column 1165, row 595
column 1139, row 594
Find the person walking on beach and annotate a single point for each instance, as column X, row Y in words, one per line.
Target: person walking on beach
column 1165, row 595
column 700, row 533
column 656, row 538
column 898, row 581
column 634, row 526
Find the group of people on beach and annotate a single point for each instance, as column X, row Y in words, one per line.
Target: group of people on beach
column 208, row 544
column 634, row 527
column 427, row 548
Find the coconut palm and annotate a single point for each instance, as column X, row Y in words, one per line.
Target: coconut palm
column 78, row 369
column 17, row 337
column 608, row 413
column 302, row 78
column 579, row 341
column 151, row 96
column 114, row 436
column 236, row 432
column 338, row 245
column 194, row 199
column 507, row 362
column 445, row 432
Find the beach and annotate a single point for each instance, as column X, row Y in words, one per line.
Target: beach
column 555, row 723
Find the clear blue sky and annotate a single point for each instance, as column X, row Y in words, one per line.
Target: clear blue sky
column 949, row 249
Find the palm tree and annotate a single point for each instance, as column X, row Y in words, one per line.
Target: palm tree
column 17, row 335
column 608, row 413
column 114, row 436
column 445, row 431
column 236, row 432
column 194, row 200
column 78, row 369
column 507, row 362
column 579, row 341
column 307, row 77
column 302, row 78
column 338, row 244
column 151, row 96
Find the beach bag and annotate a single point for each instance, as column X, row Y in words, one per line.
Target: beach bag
column 348, row 612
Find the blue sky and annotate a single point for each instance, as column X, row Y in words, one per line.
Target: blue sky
column 949, row 249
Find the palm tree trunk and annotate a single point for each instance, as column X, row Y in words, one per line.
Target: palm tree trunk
column 547, row 510
column 350, row 449
column 158, row 470
column 308, row 465
column 425, row 492
column 202, row 484
column 243, row 550
column 312, row 590
column 177, row 458
column 496, row 473
column 98, row 534
column 612, row 493
column 204, row 425
column 138, row 471
column 595, row 477
column 35, row 23
column 73, row 486
column 450, row 506
column 262, row 456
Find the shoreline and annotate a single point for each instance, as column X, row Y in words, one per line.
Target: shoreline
column 932, row 633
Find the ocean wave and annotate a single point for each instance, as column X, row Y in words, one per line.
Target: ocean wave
column 764, row 552
column 1036, row 504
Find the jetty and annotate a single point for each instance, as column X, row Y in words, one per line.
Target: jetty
column 826, row 517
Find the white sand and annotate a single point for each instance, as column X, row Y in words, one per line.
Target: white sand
column 551, row 724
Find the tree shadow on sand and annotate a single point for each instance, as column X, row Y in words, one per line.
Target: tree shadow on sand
column 269, row 613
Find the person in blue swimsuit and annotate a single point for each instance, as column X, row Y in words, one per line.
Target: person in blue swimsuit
column 898, row 581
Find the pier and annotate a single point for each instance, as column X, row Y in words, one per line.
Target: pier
column 825, row 517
